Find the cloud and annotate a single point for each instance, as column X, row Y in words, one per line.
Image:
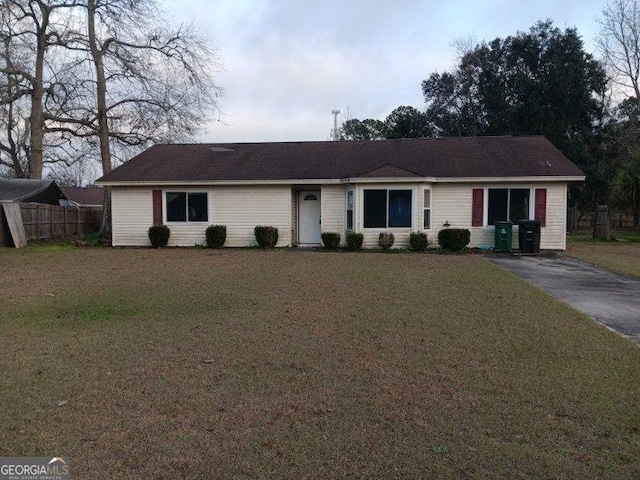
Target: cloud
column 289, row 63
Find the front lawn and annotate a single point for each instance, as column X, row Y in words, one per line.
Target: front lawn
column 192, row 363
column 621, row 255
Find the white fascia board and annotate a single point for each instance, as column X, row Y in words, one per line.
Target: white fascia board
column 198, row 183
column 540, row 179
column 463, row 179
column 325, row 181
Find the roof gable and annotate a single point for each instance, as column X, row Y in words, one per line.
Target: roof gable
column 390, row 171
column 463, row 157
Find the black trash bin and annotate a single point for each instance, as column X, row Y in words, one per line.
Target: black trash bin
column 529, row 236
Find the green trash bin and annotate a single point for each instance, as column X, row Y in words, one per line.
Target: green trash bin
column 503, row 235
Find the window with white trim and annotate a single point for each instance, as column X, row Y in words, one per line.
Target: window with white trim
column 350, row 210
column 387, row 208
column 508, row 204
column 187, row 207
column 426, row 216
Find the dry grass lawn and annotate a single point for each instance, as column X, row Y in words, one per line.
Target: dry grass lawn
column 187, row 363
column 620, row 256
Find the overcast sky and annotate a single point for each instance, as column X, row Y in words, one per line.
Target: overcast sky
column 288, row 63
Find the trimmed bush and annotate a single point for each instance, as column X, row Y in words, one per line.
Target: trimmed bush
column 454, row 239
column 266, row 236
column 159, row 235
column 216, row 236
column 353, row 241
column 418, row 241
column 385, row 240
column 330, row 240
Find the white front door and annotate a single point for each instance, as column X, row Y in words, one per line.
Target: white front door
column 309, row 218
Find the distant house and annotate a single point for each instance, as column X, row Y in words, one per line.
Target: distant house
column 84, row 196
column 26, row 190
column 306, row 188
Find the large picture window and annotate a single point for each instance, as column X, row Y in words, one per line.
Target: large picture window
column 387, row 208
column 508, row 204
column 187, row 207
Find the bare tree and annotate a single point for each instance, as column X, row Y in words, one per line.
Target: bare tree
column 102, row 77
column 151, row 82
column 31, row 29
column 619, row 43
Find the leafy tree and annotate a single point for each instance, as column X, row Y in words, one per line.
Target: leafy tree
column 403, row 122
column 407, row 122
column 540, row 82
column 367, row 129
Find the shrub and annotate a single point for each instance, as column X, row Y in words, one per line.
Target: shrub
column 216, row 236
column 353, row 241
column 454, row 239
column 385, row 240
column 266, row 236
column 418, row 241
column 159, row 235
column 330, row 240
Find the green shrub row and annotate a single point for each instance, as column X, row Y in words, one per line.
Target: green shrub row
column 450, row 239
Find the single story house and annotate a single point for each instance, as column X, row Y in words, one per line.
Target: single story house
column 305, row 188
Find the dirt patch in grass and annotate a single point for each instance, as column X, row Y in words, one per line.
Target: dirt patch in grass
column 619, row 256
column 198, row 363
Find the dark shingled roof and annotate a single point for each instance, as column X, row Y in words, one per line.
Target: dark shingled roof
column 84, row 195
column 27, row 190
column 423, row 157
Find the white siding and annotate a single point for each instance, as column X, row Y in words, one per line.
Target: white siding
column 334, row 204
column 453, row 202
column 239, row 208
column 242, row 208
column 553, row 236
column 132, row 215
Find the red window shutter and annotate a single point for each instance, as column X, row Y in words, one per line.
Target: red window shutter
column 541, row 206
column 157, row 206
column 477, row 210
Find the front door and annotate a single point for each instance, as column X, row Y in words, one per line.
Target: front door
column 309, row 218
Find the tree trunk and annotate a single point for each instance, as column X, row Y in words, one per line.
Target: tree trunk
column 101, row 104
column 636, row 209
column 36, row 119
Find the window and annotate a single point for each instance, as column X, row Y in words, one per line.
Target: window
column 427, row 210
column 387, row 208
column 508, row 204
column 350, row 210
column 187, row 207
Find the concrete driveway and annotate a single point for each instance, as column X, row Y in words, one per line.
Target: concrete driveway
column 610, row 298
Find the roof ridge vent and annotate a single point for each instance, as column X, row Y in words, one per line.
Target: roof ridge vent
column 221, row 149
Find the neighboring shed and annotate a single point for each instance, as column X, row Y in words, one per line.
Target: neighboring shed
column 84, row 196
column 27, row 190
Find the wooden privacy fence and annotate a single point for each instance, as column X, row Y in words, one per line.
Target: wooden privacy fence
column 582, row 220
column 42, row 221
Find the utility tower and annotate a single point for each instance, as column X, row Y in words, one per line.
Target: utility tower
column 335, row 132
